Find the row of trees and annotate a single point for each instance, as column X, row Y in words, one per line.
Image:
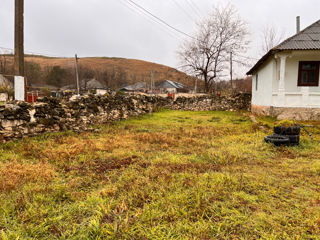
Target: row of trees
column 60, row 76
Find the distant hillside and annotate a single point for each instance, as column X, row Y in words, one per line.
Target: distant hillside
column 113, row 71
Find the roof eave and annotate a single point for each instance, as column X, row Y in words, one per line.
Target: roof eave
column 261, row 61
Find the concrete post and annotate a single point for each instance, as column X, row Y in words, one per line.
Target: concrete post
column 282, row 89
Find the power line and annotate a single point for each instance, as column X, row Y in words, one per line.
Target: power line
column 159, row 19
column 193, row 8
column 250, row 58
column 153, row 20
column 183, row 10
column 149, row 18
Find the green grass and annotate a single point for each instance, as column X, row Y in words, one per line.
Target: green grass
column 170, row 175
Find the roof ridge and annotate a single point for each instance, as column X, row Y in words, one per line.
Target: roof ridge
column 297, row 34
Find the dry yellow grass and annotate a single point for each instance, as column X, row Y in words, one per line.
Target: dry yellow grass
column 170, row 175
column 14, row 174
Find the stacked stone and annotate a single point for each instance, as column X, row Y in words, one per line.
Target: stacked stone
column 14, row 118
column 20, row 119
column 236, row 102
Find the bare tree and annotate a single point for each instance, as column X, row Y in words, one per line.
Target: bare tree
column 206, row 55
column 270, row 37
column 86, row 74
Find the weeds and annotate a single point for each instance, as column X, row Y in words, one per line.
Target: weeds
column 169, row 175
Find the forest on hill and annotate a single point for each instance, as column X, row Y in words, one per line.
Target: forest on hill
column 113, row 72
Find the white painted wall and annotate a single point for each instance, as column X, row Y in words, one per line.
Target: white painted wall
column 262, row 96
column 269, row 78
column 101, row 91
column 292, row 70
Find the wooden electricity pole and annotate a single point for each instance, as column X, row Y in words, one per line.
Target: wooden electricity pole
column 18, row 39
column 77, row 75
column 152, row 82
column 231, row 70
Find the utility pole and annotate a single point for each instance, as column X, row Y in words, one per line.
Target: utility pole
column 152, row 81
column 231, row 71
column 77, row 74
column 18, row 38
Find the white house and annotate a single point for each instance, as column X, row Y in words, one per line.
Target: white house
column 286, row 79
column 172, row 87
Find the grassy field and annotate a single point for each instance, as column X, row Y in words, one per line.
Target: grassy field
column 170, row 175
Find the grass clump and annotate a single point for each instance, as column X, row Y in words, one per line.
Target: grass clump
column 170, row 175
column 285, row 123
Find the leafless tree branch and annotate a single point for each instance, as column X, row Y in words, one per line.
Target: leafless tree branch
column 220, row 33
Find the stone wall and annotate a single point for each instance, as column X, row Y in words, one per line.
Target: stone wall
column 21, row 119
column 241, row 101
column 281, row 113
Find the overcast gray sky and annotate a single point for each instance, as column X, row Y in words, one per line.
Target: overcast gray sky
column 112, row 28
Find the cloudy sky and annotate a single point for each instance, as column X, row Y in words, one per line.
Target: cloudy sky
column 114, row 28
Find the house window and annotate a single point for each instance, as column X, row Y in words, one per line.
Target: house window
column 257, row 78
column 308, row 74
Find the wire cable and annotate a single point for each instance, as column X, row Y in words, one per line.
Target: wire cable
column 193, row 9
column 183, row 10
column 195, row 6
column 137, row 10
column 159, row 19
column 250, row 58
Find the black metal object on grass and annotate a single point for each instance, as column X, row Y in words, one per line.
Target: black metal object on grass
column 284, row 136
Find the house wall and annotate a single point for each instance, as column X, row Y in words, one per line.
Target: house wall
column 101, row 91
column 300, row 103
column 262, row 96
column 170, row 90
column 292, row 70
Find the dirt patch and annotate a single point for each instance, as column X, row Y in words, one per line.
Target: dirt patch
column 187, row 167
column 101, row 166
column 156, row 138
column 286, row 153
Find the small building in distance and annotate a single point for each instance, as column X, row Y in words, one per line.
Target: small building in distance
column 94, row 85
column 5, row 87
column 168, row 86
column 4, row 82
column 88, row 85
column 137, row 87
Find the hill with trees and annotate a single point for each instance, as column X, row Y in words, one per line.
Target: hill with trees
column 114, row 72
